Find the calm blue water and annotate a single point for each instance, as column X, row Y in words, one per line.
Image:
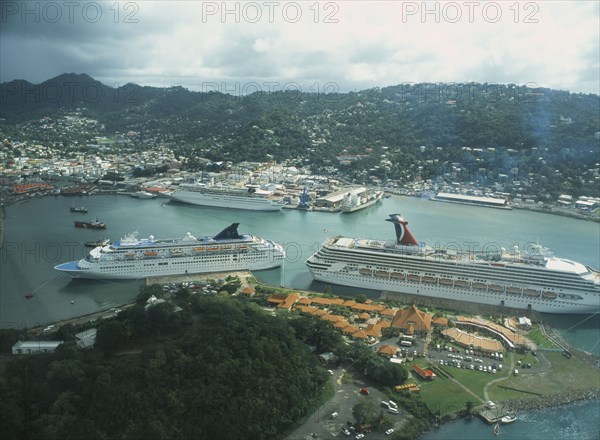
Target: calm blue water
column 39, row 234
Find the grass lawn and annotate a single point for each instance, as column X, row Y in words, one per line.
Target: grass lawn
column 540, row 339
column 525, row 359
column 474, row 380
column 566, row 375
column 445, row 396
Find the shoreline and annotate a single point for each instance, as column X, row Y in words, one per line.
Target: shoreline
column 550, row 211
column 553, row 400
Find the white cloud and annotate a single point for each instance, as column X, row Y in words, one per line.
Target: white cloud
column 369, row 44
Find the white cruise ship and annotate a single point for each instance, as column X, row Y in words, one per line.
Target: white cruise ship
column 132, row 258
column 536, row 281
column 222, row 197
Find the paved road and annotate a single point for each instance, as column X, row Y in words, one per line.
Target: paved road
column 346, row 396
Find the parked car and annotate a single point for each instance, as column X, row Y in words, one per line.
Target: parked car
column 389, row 431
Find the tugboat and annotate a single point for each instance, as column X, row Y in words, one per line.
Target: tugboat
column 90, row 225
column 79, row 209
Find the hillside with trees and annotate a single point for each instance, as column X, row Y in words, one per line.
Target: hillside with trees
column 218, row 369
column 503, row 129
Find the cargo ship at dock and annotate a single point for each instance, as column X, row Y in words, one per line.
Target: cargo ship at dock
column 360, row 199
column 131, row 258
column 533, row 280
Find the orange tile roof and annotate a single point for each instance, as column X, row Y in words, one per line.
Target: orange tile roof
column 469, row 339
column 248, row 291
column 388, row 312
column 341, row 324
column 425, row 374
column 276, row 298
column 304, row 300
column 289, row 301
column 333, row 318
column 368, row 307
column 326, row 301
column 388, row 349
column 364, row 316
column 360, row 334
column 411, row 316
column 350, row 329
column 440, row 320
column 507, row 334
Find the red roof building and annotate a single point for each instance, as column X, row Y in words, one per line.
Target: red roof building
column 424, row 374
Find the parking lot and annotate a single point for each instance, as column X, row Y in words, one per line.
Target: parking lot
column 322, row 425
column 469, row 359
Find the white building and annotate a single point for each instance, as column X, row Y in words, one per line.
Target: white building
column 35, row 347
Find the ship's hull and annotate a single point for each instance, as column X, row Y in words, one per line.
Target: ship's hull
column 453, row 293
column 163, row 266
column 226, row 201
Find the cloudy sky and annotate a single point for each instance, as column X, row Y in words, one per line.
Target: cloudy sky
column 238, row 47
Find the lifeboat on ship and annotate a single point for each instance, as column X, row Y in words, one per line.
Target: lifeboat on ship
column 199, row 249
column 480, row 286
column 429, row 280
column 364, row 271
column 130, row 255
column 461, row 283
column 496, row 288
column 446, row 281
column 414, row 278
column 382, row 274
column 549, row 295
column 531, row 292
column 514, row 290
column 150, row 254
column 397, row 275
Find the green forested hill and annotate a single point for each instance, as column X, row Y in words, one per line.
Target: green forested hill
column 219, row 370
column 539, row 127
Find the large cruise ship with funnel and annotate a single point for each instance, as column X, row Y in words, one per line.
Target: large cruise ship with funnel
column 533, row 280
column 139, row 258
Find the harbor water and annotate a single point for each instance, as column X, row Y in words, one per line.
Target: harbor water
column 40, row 233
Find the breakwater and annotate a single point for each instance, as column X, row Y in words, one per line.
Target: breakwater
column 552, row 400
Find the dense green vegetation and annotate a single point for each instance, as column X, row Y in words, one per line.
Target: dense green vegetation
column 548, row 134
column 218, row 369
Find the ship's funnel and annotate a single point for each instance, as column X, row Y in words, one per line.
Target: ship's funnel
column 229, row 233
column 403, row 234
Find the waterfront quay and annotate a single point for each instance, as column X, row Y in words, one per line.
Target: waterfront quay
column 408, row 335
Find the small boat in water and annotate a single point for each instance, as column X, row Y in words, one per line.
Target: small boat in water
column 80, row 209
column 497, row 429
column 508, row 418
column 29, row 295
